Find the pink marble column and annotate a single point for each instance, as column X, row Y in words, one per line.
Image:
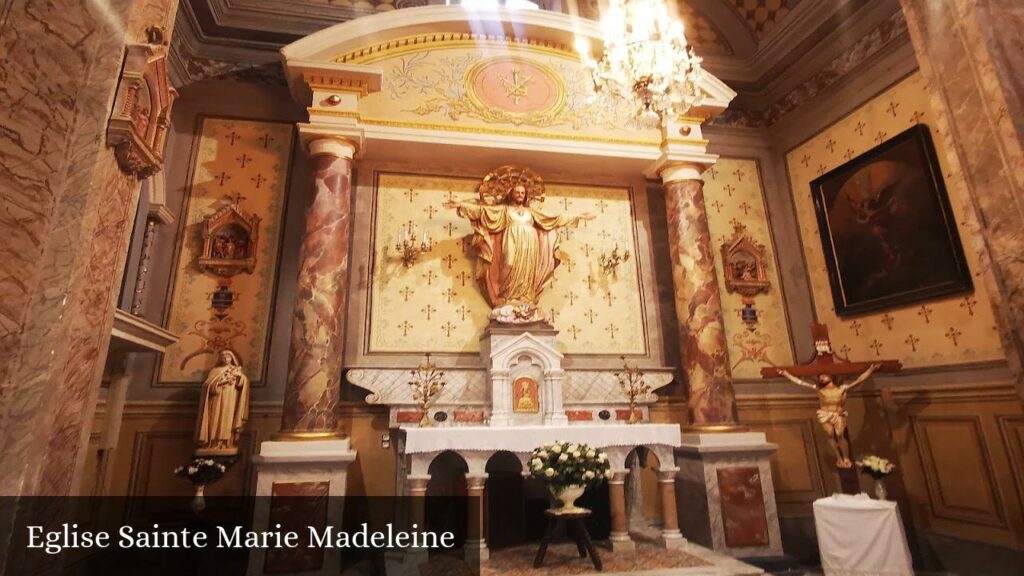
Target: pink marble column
column 970, row 53
column 313, row 388
column 705, row 357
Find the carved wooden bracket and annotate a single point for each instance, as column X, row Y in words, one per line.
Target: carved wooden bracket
column 142, row 111
column 743, row 261
column 230, row 237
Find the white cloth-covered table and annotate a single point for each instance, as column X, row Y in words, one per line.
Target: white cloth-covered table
column 858, row 536
column 523, row 439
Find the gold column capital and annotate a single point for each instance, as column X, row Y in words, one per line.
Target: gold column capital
column 335, row 146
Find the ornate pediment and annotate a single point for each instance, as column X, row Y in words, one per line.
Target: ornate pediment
column 230, row 239
column 142, row 111
column 743, row 263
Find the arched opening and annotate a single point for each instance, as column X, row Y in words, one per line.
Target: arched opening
column 643, row 499
column 446, row 506
column 505, row 497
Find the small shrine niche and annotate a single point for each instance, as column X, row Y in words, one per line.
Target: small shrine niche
column 745, row 271
column 230, row 237
column 142, row 111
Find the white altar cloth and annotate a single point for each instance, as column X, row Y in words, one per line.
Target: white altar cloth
column 523, row 439
column 858, row 536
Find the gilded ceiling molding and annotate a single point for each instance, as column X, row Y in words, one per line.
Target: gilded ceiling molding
column 424, row 42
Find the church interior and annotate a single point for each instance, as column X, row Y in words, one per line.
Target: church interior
column 766, row 262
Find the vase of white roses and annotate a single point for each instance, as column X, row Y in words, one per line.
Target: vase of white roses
column 878, row 468
column 567, row 469
column 201, row 472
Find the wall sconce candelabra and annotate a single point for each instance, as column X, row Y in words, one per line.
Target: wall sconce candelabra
column 408, row 248
column 610, row 261
column 427, row 383
column 634, row 386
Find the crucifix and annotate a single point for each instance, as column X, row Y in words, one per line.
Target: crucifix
column 828, row 369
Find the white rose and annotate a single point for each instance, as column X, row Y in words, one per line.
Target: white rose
column 537, row 464
column 573, row 447
column 588, row 475
column 602, row 457
column 576, row 454
column 609, row 474
column 543, row 453
column 549, row 472
column 563, row 457
column 556, row 448
column 591, row 453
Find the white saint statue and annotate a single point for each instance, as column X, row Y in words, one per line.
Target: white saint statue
column 223, row 408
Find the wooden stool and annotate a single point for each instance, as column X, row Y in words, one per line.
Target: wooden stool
column 576, row 527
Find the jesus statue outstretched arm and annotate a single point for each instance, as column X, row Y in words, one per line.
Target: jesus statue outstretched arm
column 867, row 373
column 796, row 380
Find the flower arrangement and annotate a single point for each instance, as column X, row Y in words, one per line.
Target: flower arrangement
column 876, row 466
column 201, row 471
column 562, row 464
column 631, row 379
column 427, row 383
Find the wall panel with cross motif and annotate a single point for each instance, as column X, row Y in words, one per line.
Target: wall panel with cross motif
column 436, row 305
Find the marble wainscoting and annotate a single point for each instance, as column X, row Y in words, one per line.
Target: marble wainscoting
column 727, row 497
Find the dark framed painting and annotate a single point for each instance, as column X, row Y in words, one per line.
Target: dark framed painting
column 887, row 228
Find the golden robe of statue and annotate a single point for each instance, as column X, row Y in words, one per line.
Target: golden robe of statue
column 516, row 244
column 223, row 408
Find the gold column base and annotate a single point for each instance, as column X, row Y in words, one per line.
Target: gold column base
column 302, row 436
column 716, row 428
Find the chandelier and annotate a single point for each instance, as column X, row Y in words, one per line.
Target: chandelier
column 646, row 61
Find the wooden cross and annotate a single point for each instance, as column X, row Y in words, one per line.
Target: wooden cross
column 826, row 362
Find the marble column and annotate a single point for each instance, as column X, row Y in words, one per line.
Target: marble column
column 312, row 391
column 705, row 358
column 670, row 534
column 970, row 54
column 619, row 537
column 476, row 543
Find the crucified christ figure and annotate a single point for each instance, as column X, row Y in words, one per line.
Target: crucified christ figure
column 832, row 414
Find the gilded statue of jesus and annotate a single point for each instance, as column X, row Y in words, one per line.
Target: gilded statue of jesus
column 515, row 242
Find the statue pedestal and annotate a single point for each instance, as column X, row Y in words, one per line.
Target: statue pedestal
column 524, row 373
column 291, row 479
column 727, row 496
